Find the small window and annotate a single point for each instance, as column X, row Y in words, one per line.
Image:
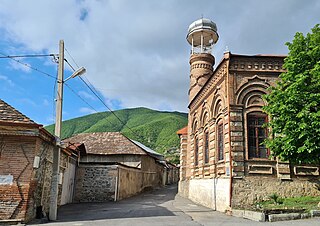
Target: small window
column 196, row 152
column 206, row 147
column 256, row 136
column 220, row 142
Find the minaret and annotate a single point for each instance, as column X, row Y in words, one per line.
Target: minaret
column 202, row 35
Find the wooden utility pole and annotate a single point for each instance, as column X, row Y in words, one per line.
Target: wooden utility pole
column 56, row 154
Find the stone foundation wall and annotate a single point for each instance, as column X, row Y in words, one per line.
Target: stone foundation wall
column 249, row 190
column 212, row 193
column 95, row 183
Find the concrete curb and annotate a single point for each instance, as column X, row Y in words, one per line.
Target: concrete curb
column 256, row 216
column 248, row 214
column 315, row 213
column 284, row 217
column 261, row 217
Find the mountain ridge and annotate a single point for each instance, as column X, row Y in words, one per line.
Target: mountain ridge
column 153, row 128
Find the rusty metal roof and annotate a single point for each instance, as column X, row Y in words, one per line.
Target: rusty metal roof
column 106, row 143
column 12, row 115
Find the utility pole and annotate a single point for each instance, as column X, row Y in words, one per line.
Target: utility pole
column 56, row 154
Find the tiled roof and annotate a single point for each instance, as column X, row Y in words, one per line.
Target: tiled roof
column 10, row 114
column 107, row 143
column 183, row 131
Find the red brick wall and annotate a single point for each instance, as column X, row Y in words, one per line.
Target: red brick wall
column 9, row 200
column 16, row 159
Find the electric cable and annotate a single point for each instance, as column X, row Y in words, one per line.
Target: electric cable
column 28, row 55
column 29, row 66
column 95, row 93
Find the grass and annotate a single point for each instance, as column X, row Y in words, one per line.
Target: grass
column 305, row 203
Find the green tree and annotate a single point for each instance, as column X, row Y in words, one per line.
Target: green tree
column 294, row 103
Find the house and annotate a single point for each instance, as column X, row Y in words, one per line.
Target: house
column 26, row 151
column 224, row 163
column 113, row 167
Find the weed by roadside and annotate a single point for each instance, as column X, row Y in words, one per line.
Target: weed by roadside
column 305, row 203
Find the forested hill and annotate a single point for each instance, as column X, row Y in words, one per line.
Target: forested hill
column 155, row 129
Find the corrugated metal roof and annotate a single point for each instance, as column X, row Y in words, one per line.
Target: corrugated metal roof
column 149, row 150
column 106, row 143
column 10, row 114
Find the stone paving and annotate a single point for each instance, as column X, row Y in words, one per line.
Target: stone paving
column 160, row 207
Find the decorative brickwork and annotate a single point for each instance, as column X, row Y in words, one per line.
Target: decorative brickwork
column 223, row 107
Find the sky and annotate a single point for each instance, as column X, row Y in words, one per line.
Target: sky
column 135, row 51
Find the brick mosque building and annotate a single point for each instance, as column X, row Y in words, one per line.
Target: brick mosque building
column 224, row 163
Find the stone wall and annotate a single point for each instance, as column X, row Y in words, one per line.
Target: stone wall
column 95, row 183
column 252, row 189
column 43, row 175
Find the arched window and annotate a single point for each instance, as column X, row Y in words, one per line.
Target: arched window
column 256, row 135
column 220, row 142
column 206, row 147
column 196, row 144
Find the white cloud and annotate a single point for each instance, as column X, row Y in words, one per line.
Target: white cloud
column 45, row 103
column 136, row 52
column 27, row 101
column 23, row 66
column 87, row 110
column 49, row 120
column 7, row 81
column 86, row 95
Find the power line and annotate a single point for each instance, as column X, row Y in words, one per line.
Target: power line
column 29, row 66
column 124, row 124
column 54, row 95
column 29, row 55
column 81, row 98
column 71, row 57
column 95, row 92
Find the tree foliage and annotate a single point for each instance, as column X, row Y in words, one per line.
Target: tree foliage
column 294, row 103
column 155, row 129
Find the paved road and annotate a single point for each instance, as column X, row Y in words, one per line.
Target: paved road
column 160, row 207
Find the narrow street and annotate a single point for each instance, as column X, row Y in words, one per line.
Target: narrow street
column 157, row 207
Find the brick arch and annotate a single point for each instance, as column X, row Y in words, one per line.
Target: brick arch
column 194, row 124
column 218, row 104
column 254, row 99
column 205, row 115
column 248, row 90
